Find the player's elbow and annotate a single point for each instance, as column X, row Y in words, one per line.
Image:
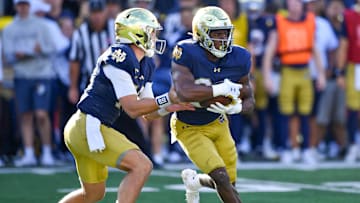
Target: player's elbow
column 133, row 112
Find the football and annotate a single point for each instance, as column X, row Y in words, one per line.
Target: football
column 221, row 99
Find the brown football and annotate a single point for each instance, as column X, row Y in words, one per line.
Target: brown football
column 221, row 99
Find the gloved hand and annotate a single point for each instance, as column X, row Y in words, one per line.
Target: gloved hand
column 234, row 108
column 227, row 88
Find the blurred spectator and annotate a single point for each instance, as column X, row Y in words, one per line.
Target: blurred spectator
column 173, row 27
column 165, row 7
column 30, row 54
column 260, row 25
column 73, row 6
column 113, row 8
column 329, row 105
column 62, row 43
column 1, row 103
column 349, row 3
column 296, row 92
column 238, row 18
column 1, row 67
column 88, row 42
column 148, row 4
column 62, row 65
column 349, row 62
column 334, row 13
column 55, row 8
column 8, row 141
column 41, row 9
column 274, row 6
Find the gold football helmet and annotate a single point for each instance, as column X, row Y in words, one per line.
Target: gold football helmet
column 208, row 19
column 139, row 26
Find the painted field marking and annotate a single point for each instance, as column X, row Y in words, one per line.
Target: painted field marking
column 109, row 189
column 254, row 185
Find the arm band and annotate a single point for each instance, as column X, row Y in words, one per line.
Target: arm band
column 163, row 100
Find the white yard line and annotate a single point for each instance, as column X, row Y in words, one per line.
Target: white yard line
column 323, row 187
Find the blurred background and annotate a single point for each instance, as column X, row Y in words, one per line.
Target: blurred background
column 75, row 32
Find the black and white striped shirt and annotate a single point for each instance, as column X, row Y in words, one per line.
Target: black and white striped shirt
column 87, row 45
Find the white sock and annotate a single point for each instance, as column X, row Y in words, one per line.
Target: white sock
column 46, row 149
column 29, row 152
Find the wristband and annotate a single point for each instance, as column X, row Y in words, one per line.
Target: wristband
column 163, row 112
column 163, row 100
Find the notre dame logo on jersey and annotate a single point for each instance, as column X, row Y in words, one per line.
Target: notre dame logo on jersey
column 177, row 52
column 118, row 56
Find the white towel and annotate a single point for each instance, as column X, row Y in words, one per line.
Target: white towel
column 357, row 77
column 93, row 134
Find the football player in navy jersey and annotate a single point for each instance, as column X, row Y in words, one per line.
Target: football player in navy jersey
column 120, row 81
column 201, row 67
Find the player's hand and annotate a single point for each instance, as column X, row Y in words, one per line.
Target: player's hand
column 227, row 88
column 73, row 95
column 269, row 85
column 340, row 81
column 233, row 108
column 321, row 82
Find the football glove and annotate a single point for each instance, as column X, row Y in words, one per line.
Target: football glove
column 227, row 88
column 234, row 108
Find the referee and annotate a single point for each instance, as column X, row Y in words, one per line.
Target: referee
column 88, row 42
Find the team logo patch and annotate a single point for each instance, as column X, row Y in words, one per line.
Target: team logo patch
column 217, row 70
column 177, row 53
column 118, row 56
column 162, row 100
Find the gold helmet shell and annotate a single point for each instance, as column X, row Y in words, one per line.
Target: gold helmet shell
column 208, row 19
column 139, row 26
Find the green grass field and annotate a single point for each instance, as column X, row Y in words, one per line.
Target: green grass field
column 256, row 185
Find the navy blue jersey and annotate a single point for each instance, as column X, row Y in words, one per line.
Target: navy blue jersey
column 99, row 98
column 258, row 34
column 233, row 66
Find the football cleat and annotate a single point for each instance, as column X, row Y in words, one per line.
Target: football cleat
column 192, row 184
